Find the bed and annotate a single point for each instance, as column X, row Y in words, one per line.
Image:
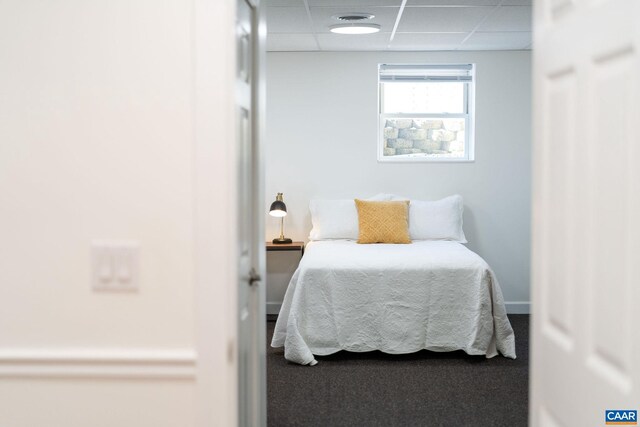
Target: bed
column 433, row 295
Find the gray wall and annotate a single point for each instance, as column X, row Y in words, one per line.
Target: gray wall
column 322, row 139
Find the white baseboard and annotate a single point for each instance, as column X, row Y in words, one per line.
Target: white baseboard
column 178, row 364
column 518, row 307
column 273, row 307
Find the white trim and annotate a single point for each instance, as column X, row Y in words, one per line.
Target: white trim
column 273, row 307
column 518, row 307
column 175, row 364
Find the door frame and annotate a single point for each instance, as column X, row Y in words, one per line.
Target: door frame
column 259, row 131
column 215, row 208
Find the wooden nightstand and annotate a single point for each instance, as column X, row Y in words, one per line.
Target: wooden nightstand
column 295, row 246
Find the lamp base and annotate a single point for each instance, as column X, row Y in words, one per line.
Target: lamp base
column 283, row 241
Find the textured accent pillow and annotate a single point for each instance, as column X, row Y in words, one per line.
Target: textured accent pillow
column 383, row 222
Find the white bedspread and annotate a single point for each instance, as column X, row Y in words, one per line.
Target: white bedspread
column 432, row 295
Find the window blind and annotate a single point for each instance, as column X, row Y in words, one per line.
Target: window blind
column 425, row 73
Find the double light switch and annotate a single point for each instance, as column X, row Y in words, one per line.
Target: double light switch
column 115, row 265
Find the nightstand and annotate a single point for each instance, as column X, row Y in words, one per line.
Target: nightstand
column 295, row 246
column 282, row 262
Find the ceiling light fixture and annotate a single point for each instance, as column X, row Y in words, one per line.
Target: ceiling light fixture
column 355, row 28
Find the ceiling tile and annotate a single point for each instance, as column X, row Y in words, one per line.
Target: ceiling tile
column 288, row 20
column 377, row 41
column 427, row 41
column 497, row 41
column 425, row 25
column 291, row 42
column 508, row 18
column 442, row 19
column 384, row 16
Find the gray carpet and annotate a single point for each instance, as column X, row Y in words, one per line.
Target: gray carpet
column 419, row 389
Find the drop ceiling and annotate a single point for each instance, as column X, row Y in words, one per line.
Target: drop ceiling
column 421, row 25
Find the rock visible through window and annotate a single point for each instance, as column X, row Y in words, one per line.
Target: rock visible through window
column 426, row 112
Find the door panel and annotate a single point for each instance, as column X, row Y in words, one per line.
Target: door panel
column 609, row 323
column 586, row 207
column 559, row 113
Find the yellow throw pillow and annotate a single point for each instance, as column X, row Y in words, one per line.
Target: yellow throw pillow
column 383, row 222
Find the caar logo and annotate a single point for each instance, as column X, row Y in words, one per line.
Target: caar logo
column 621, row 417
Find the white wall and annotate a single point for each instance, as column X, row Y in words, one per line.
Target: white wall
column 98, row 141
column 322, row 136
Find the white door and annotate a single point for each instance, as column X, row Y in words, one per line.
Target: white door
column 586, row 211
column 251, row 291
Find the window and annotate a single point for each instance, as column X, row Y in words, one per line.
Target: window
column 426, row 112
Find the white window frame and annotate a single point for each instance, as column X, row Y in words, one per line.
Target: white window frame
column 469, row 116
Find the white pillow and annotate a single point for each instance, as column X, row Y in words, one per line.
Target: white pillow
column 337, row 219
column 436, row 220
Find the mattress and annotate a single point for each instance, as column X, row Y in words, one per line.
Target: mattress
column 433, row 295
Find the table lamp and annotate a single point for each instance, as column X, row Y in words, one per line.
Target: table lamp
column 279, row 210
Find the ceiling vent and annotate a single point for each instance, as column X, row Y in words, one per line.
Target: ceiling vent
column 354, row 23
column 354, row 17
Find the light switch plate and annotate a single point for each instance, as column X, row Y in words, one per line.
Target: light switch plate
column 115, row 265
